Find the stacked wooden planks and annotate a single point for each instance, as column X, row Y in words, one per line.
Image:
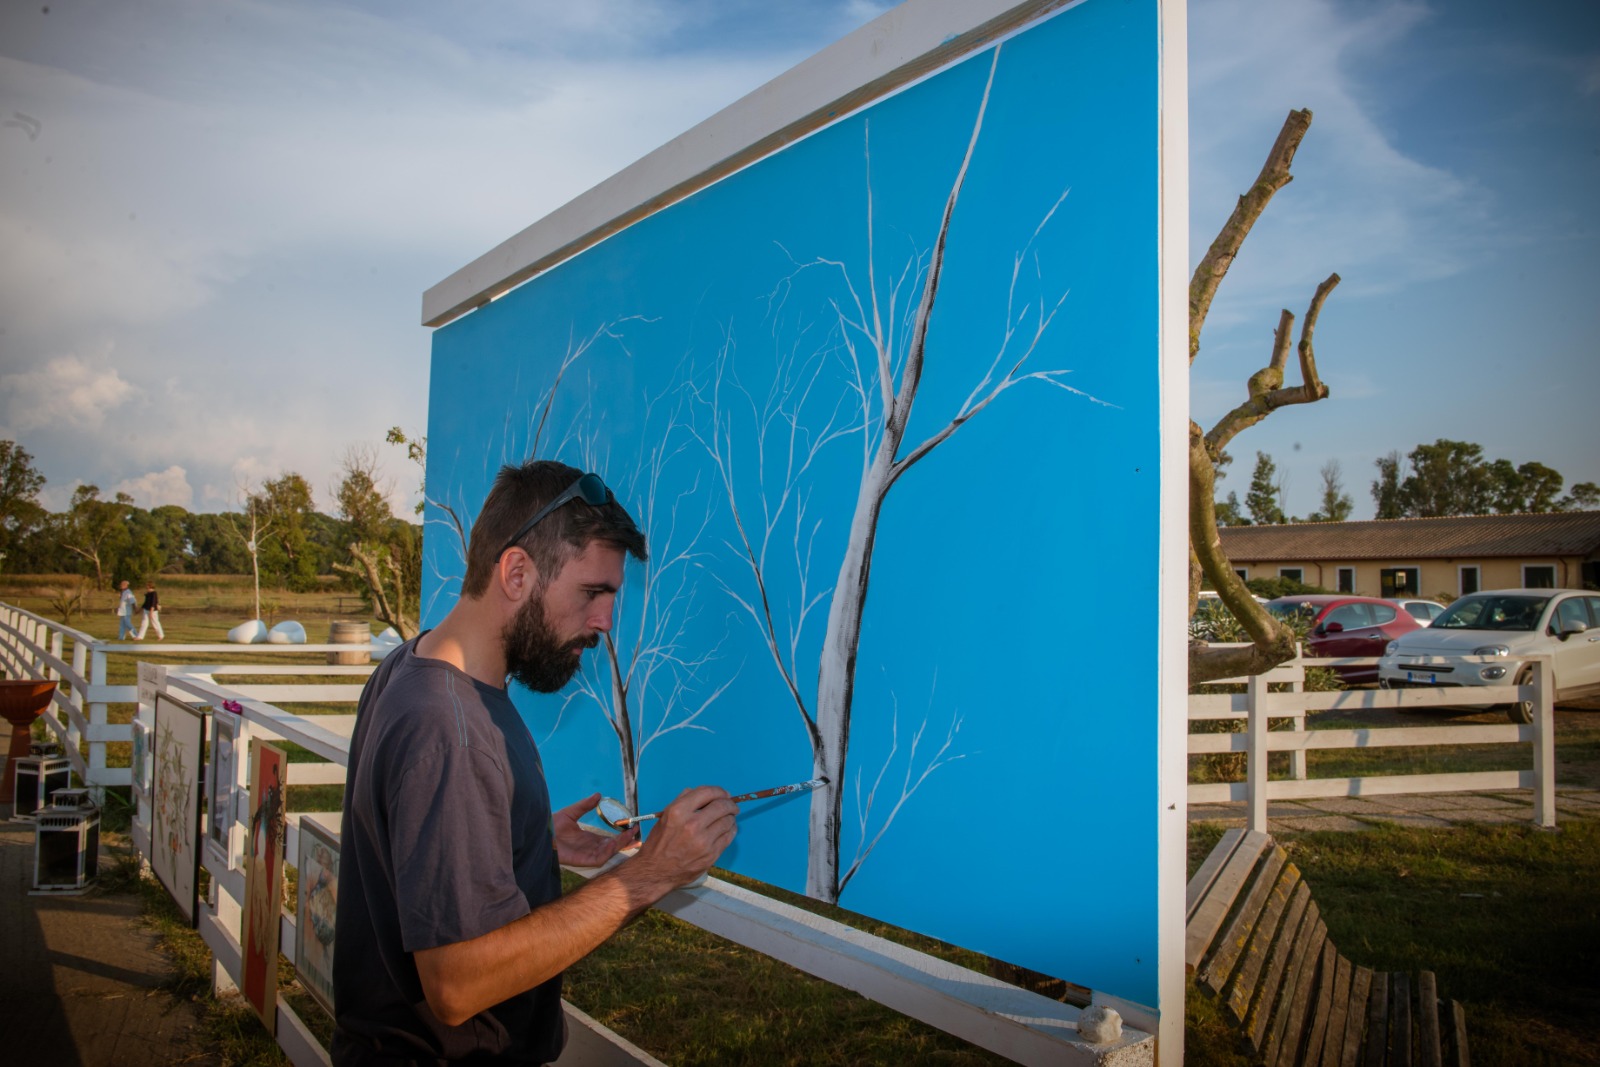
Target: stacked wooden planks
column 1255, row 939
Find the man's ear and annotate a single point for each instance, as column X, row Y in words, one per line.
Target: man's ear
column 517, row 575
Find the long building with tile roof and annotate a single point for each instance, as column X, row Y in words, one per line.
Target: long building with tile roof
column 1435, row 558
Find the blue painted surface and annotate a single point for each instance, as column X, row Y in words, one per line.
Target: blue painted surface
column 1012, row 603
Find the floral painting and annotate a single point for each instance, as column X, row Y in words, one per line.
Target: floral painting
column 175, row 801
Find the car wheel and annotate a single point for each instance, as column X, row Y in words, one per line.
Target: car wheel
column 1521, row 711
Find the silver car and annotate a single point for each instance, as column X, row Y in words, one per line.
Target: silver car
column 1486, row 638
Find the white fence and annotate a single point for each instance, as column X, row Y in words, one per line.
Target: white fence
column 32, row 646
column 985, row 1011
column 1259, row 707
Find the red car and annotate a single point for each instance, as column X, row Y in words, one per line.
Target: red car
column 1347, row 626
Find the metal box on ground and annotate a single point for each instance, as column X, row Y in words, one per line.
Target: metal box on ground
column 39, row 778
column 66, row 851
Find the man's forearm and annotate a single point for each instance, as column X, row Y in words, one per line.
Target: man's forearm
column 468, row 977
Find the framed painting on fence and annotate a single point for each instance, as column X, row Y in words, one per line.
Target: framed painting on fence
column 263, row 881
column 220, row 780
column 317, row 896
column 137, row 764
column 179, row 750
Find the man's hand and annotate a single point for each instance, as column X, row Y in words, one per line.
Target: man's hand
column 577, row 847
column 691, row 834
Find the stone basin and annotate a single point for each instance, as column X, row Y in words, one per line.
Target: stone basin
column 21, row 701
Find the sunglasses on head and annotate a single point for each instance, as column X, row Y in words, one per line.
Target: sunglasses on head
column 590, row 488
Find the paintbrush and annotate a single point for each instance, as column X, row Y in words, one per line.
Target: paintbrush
column 615, row 815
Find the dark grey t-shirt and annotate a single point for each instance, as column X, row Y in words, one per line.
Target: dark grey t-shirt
column 446, row 836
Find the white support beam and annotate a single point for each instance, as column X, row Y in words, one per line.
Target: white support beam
column 1005, row 1019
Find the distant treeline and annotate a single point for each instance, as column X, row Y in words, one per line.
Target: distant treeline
column 108, row 540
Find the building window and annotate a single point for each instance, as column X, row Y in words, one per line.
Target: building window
column 1470, row 582
column 1347, row 579
column 1243, row 573
column 1294, row 574
column 1538, row 576
column 1398, row 582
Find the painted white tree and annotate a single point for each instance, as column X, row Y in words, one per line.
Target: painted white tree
column 653, row 679
column 455, row 514
column 879, row 329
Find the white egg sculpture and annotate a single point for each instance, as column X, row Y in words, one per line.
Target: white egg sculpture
column 287, row 633
column 253, row 632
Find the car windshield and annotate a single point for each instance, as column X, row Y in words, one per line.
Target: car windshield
column 1301, row 612
column 1493, row 613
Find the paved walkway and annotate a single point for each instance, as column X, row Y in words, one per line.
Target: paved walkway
column 80, row 977
column 1435, row 810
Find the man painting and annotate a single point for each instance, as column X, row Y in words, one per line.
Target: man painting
column 452, row 928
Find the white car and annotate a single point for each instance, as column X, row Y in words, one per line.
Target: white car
column 1424, row 611
column 1485, row 639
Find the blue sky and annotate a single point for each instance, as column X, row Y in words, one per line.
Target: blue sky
column 217, row 218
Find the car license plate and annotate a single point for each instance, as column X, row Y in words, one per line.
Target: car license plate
column 1425, row 677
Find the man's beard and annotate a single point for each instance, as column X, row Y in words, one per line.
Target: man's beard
column 535, row 654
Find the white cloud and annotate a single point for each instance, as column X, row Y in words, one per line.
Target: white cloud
column 66, row 390
column 157, row 488
column 1359, row 203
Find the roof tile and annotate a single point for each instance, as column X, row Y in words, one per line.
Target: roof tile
column 1561, row 533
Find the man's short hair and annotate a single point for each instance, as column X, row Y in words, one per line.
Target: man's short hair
column 519, row 492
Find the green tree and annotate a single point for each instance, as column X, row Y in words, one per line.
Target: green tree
column 363, row 503
column 1532, row 487
column 1386, row 490
column 1447, row 478
column 1585, row 496
column 1336, row 503
column 93, row 530
column 212, row 545
column 287, row 551
column 1262, row 499
column 1228, row 513
column 20, row 482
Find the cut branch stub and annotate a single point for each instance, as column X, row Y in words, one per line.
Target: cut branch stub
column 1219, row 257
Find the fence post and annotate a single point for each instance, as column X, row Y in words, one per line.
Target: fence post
column 57, row 643
column 80, row 660
column 30, row 633
column 1544, row 745
column 1299, row 722
column 1256, row 751
column 97, row 723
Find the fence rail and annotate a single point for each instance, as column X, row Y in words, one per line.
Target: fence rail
column 1259, row 707
column 32, row 646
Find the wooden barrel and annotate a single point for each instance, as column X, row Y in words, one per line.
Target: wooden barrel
column 350, row 633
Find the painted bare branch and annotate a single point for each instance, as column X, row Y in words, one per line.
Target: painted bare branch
column 648, row 685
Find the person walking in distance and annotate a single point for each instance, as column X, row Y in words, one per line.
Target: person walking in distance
column 452, row 927
column 152, row 614
column 124, row 612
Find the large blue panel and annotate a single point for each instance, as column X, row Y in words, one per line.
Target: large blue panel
column 720, row 371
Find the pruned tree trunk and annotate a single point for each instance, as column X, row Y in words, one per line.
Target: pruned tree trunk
column 384, row 586
column 1271, row 643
